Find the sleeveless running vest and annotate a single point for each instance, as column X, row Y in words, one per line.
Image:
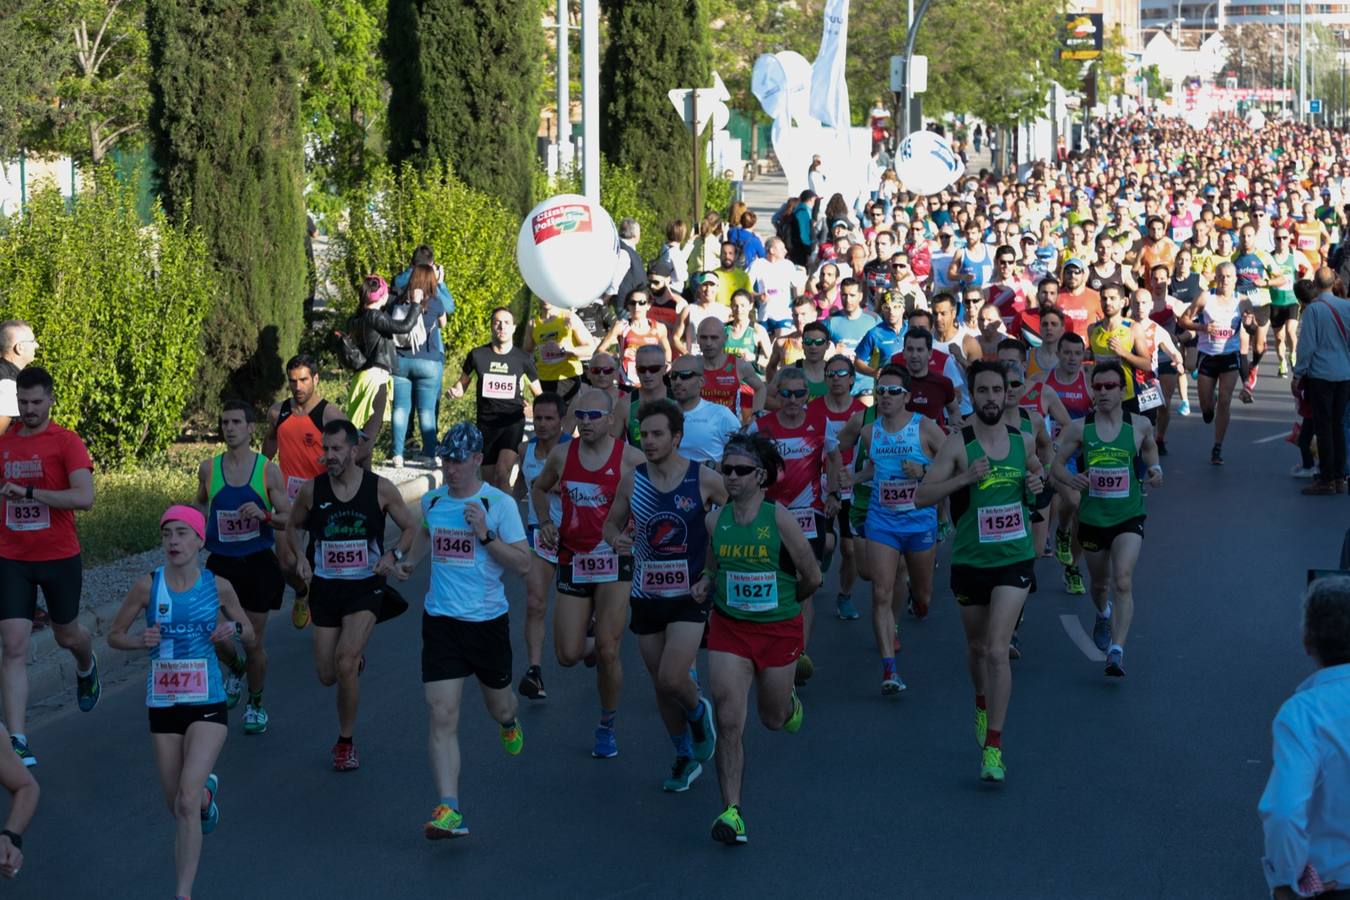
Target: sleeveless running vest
column 1099, row 343
column 742, row 347
column 300, row 445
column 1113, row 495
column 346, row 538
column 228, row 533
column 723, row 386
column 554, row 364
column 992, row 521
column 634, row 426
column 530, row 467
column 893, row 490
column 756, row 580
column 862, row 490
column 586, row 499
column 1228, row 318
column 670, row 535
column 183, row 667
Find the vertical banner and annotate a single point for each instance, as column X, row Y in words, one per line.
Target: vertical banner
column 829, row 90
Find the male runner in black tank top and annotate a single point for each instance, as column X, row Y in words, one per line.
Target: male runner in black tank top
column 344, row 512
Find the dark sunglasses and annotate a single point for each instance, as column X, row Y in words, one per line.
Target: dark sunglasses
column 650, row 370
column 639, row 303
column 739, row 471
column 796, row 393
column 1016, row 383
column 814, row 342
column 602, row 370
column 1105, row 385
column 891, row 390
column 684, row 374
column 839, row 373
column 589, row 414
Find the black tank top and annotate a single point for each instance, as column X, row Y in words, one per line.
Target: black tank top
column 346, row 538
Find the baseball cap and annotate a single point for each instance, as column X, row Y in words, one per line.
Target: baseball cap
column 662, row 268
column 838, row 223
column 189, row 516
column 460, row 442
column 1075, row 261
column 709, row 277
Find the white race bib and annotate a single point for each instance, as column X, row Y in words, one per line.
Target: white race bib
column 806, row 518
column 664, row 578
column 179, row 681
column 544, row 553
column 1001, row 523
column 593, row 568
column 343, row 559
column 1150, row 397
column 752, row 591
column 499, row 387
column 27, row 515
column 1109, row 482
column 453, row 546
column 897, row 494
column 293, row 485
column 233, row 528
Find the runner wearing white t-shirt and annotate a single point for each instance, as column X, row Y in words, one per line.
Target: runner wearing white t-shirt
column 707, row 425
column 776, row 280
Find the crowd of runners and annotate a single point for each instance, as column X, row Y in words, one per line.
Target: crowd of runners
column 993, row 368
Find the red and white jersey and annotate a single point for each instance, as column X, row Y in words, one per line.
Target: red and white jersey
column 1010, row 299
column 723, row 386
column 586, row 499
column 835, row 422
column 1075, row 395
column 803, row 450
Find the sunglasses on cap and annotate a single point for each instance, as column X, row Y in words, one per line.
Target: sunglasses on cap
column 589, row 415
column 650, row 370
column 794, row 393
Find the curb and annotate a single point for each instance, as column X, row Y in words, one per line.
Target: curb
column 51, row 670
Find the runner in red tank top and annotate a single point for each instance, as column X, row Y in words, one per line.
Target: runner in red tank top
column 839, row 406
column 1069, row 383
column 727, row 379
column 593, row 578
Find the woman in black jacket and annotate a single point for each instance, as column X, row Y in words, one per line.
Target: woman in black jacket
column 373, row 328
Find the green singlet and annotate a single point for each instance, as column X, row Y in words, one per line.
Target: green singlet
column 1113, row 495
column 862, row 491
column 743, row 347
column 756, row 580
column 992, row 519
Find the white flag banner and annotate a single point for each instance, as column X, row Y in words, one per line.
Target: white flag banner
column 829, row 90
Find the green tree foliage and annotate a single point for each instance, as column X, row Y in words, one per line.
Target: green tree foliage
column 464, row 78
column 472, row 232
column 227, row 144
column 344, row 98
column 118, row 309
column 653, row 47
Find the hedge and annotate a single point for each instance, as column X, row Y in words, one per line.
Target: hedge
column 117, row 308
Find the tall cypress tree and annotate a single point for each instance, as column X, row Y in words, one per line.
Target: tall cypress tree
column 464, row 80
column 226, row 138
column 653, row 47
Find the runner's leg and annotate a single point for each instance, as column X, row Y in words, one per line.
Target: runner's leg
column 571, row 618
column 351, row 644
column 537, row 584
column 1005, row 606
column 1124, row 555
column 773, row 691
column 729, row 678
column 256, row 659
column 611, row 617
column 443, row 703
column 883, row 561
column 14, row 638
column 1222, row 403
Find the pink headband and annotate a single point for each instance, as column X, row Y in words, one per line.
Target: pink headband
column 379, row 293
column 189, row 516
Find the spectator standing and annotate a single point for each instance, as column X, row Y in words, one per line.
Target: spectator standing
column 420, row 366
column 1303, row 808
column 18, row 346
column 747, row 242
column 1323, row 372
column 373, row 329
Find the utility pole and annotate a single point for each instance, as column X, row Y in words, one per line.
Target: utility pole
column 1302, row 63
column 564, row 101
column 590, row 99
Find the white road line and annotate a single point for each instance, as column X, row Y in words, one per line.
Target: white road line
column 1273, row 437
column 1074, row 629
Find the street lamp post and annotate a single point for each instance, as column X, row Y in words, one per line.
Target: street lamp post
column 590, row 99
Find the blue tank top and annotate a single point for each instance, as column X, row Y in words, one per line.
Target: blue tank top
column 530, row 467
column 892, row 490
column 227, row 533
column 977, row 270
column 183, row 668
column 670, row 535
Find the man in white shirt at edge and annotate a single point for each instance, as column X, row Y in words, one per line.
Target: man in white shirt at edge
column 1303, row 809
column 707, row 425
column 776, row 280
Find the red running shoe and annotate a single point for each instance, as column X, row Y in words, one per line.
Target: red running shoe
column 345, row 758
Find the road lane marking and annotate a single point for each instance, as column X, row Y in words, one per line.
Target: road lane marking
column 1273, row 437
column 1074, row 629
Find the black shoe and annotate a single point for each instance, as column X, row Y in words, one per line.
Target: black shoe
column 1216, row 456
column 532, row 684
column 1162, row 447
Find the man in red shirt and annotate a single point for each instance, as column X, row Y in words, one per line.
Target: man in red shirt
column 1027, row 325
column 930, row 393
column 47, row 476
column 1081, row 304
column 1008, row 291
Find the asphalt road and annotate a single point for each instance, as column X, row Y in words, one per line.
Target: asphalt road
column 1140, row 788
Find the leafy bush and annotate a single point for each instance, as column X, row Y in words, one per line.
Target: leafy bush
column 473, row 234
column 117, row 309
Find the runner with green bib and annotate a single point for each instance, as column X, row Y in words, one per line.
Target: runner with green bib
column 758, row 564
column 1111, row 516
column 991, row 472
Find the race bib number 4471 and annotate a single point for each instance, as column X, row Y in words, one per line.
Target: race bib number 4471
column 179, row 681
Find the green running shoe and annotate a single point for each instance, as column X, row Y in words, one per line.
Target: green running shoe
column 211, row 815
column 684, row 773
column 255, row 719
column 1073, row 581
column 513, row 738
column 88, row 688
column 981, row 726
column 21, row 750
column 445, row 823
column 805, row 669
column 1064, row 547
column 234, row 682
column 794, row 721
column 729, row 827
column 993, row 768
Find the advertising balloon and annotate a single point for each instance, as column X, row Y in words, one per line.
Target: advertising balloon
column 926, row 163
column 1256, row 120
column 566, row 250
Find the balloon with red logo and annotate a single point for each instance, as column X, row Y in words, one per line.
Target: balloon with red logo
column 566, row 250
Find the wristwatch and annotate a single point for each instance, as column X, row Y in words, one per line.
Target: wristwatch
column 487, row 538
column 15, row 839
column 398, row 554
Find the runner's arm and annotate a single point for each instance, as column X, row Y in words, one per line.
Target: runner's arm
column 763, row 344
column 457, row 389
column 1148, row 449
column 203, row 499
column 24, row 792
column 702, row 590
column 295, row 524
column 668, row 343
column 1168, row 346
column 616, row 523
column 931, row 436
column 132, row 606
column 231, row 614
column 269, row 446
column 582, row 338
column 1035, row 470
column 611, row 338
column 947, row 474
column 1187, row 319
column 391, row 501
column 546, row 480
column 749, row 376
column 1070, row 439
column 791, row 537
column 276, row 494
column 80, row 494
column 712, row 486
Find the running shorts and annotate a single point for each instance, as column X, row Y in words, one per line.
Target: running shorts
column 457, row 648
column 1281, row 316
column 1095, row 538
column 768, row 645
column 178, row 718
column 331, row 599
column 567, row 583
column 256, row 578
column 61, row 581
column 498, row 437
column 1214, row 366
column 974, row 585
column 651, row 615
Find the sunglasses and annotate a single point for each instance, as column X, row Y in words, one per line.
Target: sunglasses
column 639, row 303
column 739, row 471
column 891, row 390
column 815, row 342
column 839, row 373
column 589, row 415
column 649, row 370
column 899, row 265
column 1016, row 383
column 795, row 393
column 1105, row 385
column 683, row 374
column 602, row 370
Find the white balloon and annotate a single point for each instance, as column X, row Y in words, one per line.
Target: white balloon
column 1197, row 119
column 926, row 163
column 566, row 250
column 1256, row 120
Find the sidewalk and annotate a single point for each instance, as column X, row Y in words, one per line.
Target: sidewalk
column 51, row 670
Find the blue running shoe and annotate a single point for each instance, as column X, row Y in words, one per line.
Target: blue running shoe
column 605, row 745
column 211, row 815
column 704, row 732
column 1101, row 632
